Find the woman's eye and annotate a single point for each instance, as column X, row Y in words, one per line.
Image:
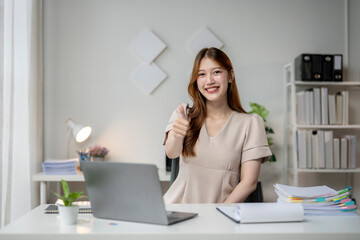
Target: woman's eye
column 217, row 72
column 201, row 74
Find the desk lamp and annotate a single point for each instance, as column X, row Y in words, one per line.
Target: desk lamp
column 80, row 132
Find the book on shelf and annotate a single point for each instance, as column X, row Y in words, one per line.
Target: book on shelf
column 318, row 106
column 345, row 108
column 339, row 108
column 321, row 148
column 302, row 151
column 328, row 141
column 318, row 149
column 343, row 153
column 336, row 145
column 332, row 109
column 324, row 106
column 309, row 162
column 352, row 144
column 309, row 100
column 315, row 149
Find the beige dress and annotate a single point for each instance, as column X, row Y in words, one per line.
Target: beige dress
column 213, row 174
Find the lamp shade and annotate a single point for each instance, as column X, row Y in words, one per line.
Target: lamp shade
column 80, row 132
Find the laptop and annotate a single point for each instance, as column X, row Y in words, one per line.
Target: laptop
column 128, row 192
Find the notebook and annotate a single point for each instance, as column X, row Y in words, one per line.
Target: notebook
column 263, row 212
column 52, row 208
column 128, row 192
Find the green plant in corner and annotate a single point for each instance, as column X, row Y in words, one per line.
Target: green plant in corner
column 264, row 113
column 69, row 197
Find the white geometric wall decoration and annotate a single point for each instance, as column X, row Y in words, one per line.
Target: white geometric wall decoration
column 149, row 77
column 148, row 46
column 204, row 38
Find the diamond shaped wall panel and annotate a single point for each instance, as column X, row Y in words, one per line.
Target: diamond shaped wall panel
column 148, row 46
column 204, row 38
column 149, row 77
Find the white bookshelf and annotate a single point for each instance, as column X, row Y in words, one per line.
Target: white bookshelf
column 291, row 87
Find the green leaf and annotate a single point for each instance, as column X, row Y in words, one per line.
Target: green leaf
column 65, row 188
column 272, row 158
column 269, row 130
column 260, row 110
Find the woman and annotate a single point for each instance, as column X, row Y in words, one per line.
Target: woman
column 214, row 137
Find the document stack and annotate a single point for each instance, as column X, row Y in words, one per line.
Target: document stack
column 60, row 167
column 318, row 200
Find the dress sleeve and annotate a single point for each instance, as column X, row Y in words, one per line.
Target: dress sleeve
column 173, row 117
column 256, row 144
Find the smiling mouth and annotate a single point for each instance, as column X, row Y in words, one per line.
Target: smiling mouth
column 211, row 89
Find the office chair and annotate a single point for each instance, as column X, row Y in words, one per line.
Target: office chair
column 255, row 196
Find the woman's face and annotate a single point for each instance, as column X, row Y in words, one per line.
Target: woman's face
column 212, row 80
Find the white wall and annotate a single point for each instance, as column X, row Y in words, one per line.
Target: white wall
column 88, row 66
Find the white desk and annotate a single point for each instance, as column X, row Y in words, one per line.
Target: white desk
column 44, row 179
column 210, row 224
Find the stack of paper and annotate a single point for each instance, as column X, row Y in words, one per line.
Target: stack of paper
column 60, row 167
column 318, row 200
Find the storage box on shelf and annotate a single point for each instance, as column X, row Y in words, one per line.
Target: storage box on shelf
column 315, row 129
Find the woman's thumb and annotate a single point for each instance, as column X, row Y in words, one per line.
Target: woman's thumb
column 181, row 111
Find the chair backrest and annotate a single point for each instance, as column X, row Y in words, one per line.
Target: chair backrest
column 255, row 196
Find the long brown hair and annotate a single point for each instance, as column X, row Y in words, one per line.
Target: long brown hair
column 197, row 113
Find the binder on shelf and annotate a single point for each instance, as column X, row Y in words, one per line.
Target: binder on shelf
column 317, row 106
column 352, row 143
column 309, row 162
column 332, row 109
column 317, row 74
column 328, row 67
column 309, row 106
column 300, row 107
column 343, row 153
column 339, row 108
column 345, row 107
column 303, row 67
column 324, row 106
column 302, row 151
column 315, row 149
column 338, row 67
column 321, row 149
column 336, row 145
column 329, row 159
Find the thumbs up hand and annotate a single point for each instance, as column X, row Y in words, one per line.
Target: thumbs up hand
column 181, row 124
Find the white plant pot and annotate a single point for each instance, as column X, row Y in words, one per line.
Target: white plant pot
column 68, row 215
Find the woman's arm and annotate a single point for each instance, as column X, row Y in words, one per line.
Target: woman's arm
column 175, row 138
column 249, row 177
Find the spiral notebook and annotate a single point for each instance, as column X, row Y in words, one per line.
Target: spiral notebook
column 52, row 208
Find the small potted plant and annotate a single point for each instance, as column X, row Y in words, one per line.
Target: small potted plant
column 98, row 153
column 264, row 113
column 68, row 212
